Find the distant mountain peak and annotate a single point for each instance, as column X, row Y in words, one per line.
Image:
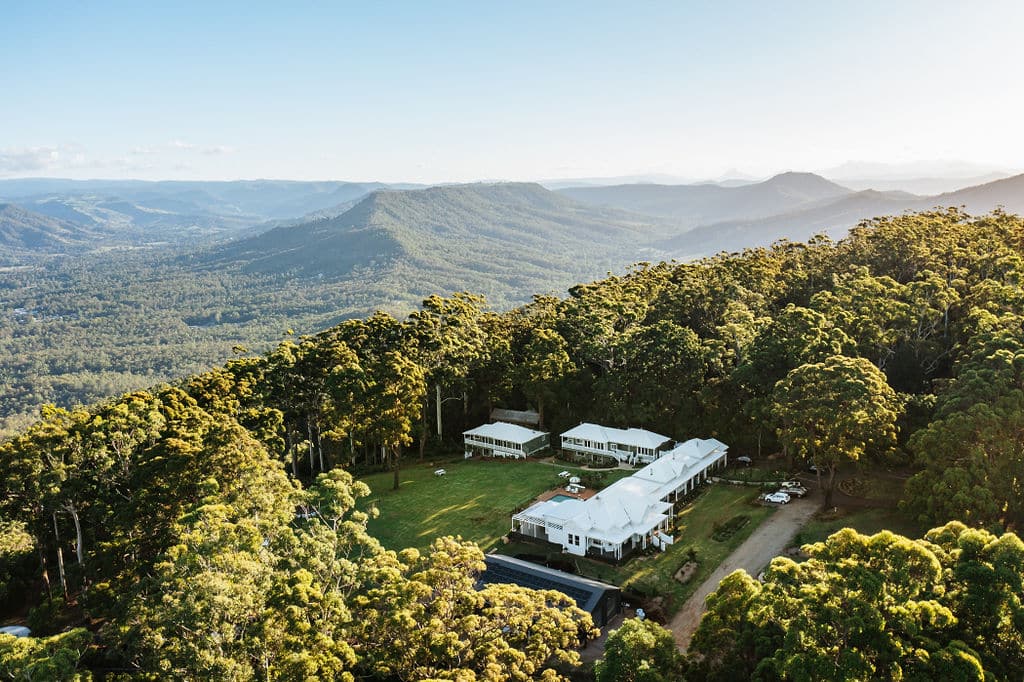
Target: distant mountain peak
column 805, row 179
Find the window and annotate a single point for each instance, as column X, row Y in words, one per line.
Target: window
column 574, row 540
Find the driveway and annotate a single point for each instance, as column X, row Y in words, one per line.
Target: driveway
column 766, row 543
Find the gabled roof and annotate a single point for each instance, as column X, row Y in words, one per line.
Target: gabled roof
column 606, row 434
column 623, row 509
column 681, row 463
column 504, row 431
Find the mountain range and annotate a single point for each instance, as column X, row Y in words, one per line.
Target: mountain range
column 128, row 212
column 497, row 236
column 491, row 238
column 85, row 313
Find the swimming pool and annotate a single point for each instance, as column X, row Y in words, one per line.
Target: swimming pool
column 561, row 498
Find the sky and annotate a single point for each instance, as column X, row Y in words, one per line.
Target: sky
column 463, row 91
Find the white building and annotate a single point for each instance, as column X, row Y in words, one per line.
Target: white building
column 680, row 470
column 632, row 513
column 634, row 446
column 504, row 440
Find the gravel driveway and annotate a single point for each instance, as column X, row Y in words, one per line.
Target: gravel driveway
column 767, row 542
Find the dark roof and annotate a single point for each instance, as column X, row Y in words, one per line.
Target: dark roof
column 522, row 417
column 506, row 569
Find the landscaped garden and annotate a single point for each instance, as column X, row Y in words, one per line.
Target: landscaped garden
column 474, row 499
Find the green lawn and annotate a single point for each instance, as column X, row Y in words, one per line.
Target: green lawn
column 475, row 499
column 654, row 575
column 866, row 521
column 694, row 527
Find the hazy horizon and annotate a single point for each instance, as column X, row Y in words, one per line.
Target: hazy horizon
column 459, row 93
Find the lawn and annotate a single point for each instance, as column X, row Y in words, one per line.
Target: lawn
column 475, row 499
column 654, row 575
column 695, row 525
column 866, row 521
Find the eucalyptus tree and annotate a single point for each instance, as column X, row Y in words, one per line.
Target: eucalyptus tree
column 972, row 452
column 876, row 607
column 833, row 412
column 794, row 337
column 545, row 362
column 421, row 617
column 388, row 403
column 640, row 651
column 447, row 340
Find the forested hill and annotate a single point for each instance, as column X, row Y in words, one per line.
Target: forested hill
column 120, row 213
column 701, row 204
column 80, row 329
column 793, row 206
column 161, row 526
column 495, row 238
column 830, row 216
column 25, row 230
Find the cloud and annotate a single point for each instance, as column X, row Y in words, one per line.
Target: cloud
column 217, row 150
column 209, row 150
column 28, row 159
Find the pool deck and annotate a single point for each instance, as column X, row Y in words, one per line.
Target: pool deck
column 548, row 494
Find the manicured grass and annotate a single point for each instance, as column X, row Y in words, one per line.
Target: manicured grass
column 695, row 526
column 866, row 521
column 654, row 575
column 475, row 499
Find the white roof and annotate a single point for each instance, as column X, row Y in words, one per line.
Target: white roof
column 616, row 513
column 606, row 434
column 681, row 463
column 631, row 505
column 504, row 431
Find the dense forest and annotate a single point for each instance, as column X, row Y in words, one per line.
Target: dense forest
column 79, row 327
column 208, row 529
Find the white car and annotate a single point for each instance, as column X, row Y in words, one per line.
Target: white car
column 777, row 498
column 793, row 490
column 791, row 484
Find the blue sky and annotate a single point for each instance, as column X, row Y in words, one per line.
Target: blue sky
column 452, row 91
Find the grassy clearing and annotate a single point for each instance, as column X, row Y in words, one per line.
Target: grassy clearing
column 654, row 575
column 475, row 499
column 866, row 521
column 695, row 526
column 754, row 474
column 874, row 488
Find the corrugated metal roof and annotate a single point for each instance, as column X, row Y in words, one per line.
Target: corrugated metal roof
column 502, row 431
column 607, row 434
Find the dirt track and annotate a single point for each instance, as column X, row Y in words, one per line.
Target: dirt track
column 767, row 542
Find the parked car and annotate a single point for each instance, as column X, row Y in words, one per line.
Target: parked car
column 743, row 459
column 793, row 490
column 791, row 484
column 777, row 498
column 812, row 468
